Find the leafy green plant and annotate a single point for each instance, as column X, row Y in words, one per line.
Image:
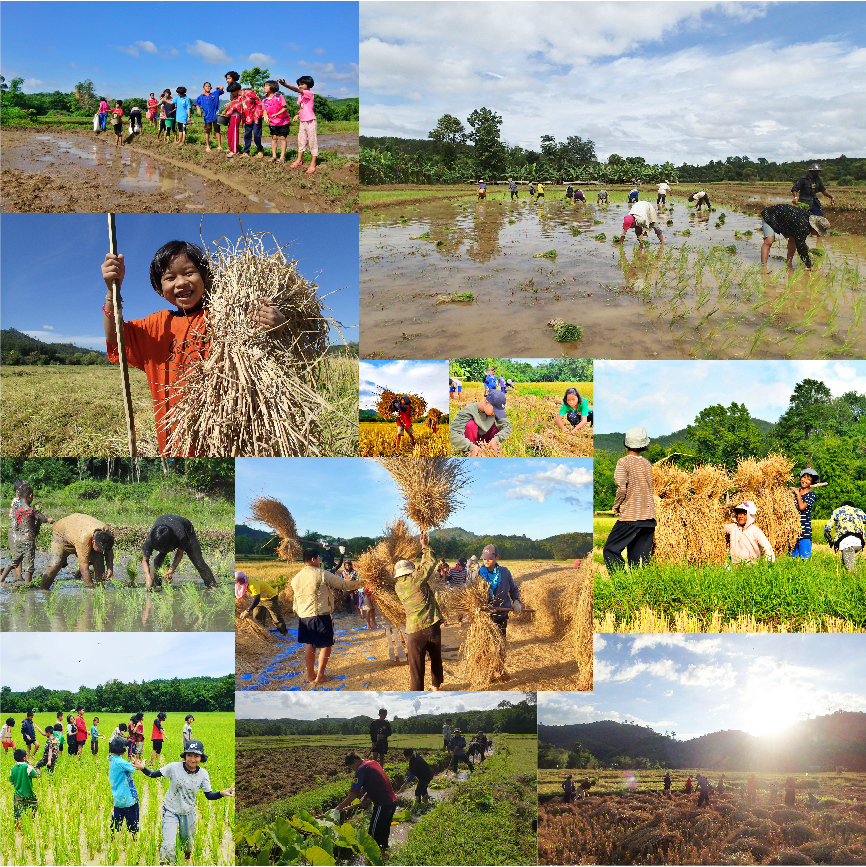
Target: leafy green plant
column 424, row 237
column 565, row 331
column 550, row 254
column 599, row 237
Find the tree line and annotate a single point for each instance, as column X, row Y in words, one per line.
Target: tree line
column 817, row 429
column 554, row 370
column 178, row 695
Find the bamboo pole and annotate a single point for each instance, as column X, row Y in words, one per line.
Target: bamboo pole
column 121, row 346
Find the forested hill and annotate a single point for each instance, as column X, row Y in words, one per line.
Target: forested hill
column 612, row 442
column 821, row 744
column 28, row 349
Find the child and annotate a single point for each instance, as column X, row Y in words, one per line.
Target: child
column 178, row 808
column 24, row 528
column 482, row 191
column 805, row 498
column 28, row 733
column 152, row 110
column 71, row 735
column 403, row 407
column 575, row 409
column 180, row 273
column 16, row 486
column 167, row 113
column 123, row 791
column 20, row 777
column 482, row 421
column 50, row 752
column 58, row 732
column 633, row 504
column 539, row 193
column 136, row 735
column 418, row 770
column 157, row 736
column 95, row 737
column 103, row 112
column 568, row 789
column 187, row 729
column 80, row 730
column 746, row 540
column 274, row 106
column 232, row 112
column 119, row 732
column 247, row 106
column 306, row 121
column 6, row 735
column 182, row 110
column 134, row 120
column 208, row 104
column 367, row 608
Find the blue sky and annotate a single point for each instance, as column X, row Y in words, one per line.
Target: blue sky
column 91, row 658
column 131, row 49
column 350, row 497
column 697, row 684
column 428, row 379
column 678, row 81
column 664, row 396
column 64, row 303
column 315, row 705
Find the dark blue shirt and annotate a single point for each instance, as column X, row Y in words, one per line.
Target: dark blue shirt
column 210, row 104
column 806, row 515
column 27, row 729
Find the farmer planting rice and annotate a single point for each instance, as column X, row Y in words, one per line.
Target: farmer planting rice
column 807, row 189
column 795, row 224
column 482, row 191
column 805, row 499
column 662, row 193
column 504, row 595
column 24, row 525
column 633, row 505
column 845, row 532
column 90, row 541
column 602, row 197
column 575, row 409
column 482, row 422
column 173, row 533
column 700, row 198
column 747, row 541
column 373, row 782
column 641, row 218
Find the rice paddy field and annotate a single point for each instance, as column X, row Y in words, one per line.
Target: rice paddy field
column 378, row 439
column 532, row 409
column 626, row 820
column 73, row 820
column 703, row 294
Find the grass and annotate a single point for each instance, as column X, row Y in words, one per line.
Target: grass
column 62, row 834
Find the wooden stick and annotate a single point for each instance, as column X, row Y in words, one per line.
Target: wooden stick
column 121, row 346
column 527, row 610
column 606, row 512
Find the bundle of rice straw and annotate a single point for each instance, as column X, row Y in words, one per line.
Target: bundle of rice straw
column 272, row 512
column 433, row 416
column 671, row 487
column 705, row 516
column 767, row 483
column 556, row 444
column 383, row 406
column 483, row 648
column 399, row 543
column 486, row 450
column 255, row 394
column 549, row 594
column 430, row 486
column 581, row 627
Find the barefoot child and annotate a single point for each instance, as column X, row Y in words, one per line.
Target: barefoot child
column 164, row 343
column 123, row 791
column 95, row 737
column 28, row 733
column 208, row 105
column 274, row 106
column 21, row 777
column 183, row 107
column 804, row 497
column 157, row 736
column 6, row 740
column 153, row 110
column 117, row 111
column 306, row 120
column 575, row 409
column 23, row 531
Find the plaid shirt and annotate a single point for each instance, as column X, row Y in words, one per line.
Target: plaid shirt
column 417, row 597
column 247, row 104
column 790, row 221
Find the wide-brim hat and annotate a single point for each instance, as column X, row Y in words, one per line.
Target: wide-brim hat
column 403, row 568
column 820, row 224
column 810, row 472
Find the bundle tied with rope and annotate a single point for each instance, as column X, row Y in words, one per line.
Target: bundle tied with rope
column 387, row 397
column 483, row 647
column 255, row 394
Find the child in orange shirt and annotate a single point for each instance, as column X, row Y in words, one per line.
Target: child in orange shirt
column 167, row 342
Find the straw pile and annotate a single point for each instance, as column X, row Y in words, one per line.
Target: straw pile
column 255, row 393
column 556, row 444
column 483, row 648
column 486, row 450
column 671, row 495
column 272, row 512
column 434, row 416
column 548, row 595
column 767, row 484
column 430, row 486
column 383, row 407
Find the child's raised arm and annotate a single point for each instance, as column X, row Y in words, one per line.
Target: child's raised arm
column 285, row 83
column 112, row 269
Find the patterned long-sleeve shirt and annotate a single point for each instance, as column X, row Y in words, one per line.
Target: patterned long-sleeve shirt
column 845, row 521
column 791, row 221
column 634, row 489
column 247, row 104
column 415, row 593
column 73, row 534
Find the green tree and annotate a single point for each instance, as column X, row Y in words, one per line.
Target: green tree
column 721, row 435
column 489, row 151
column 448, row 135
column 324, row 109
column 807, row 411
column 85, row 96
column 255, row 79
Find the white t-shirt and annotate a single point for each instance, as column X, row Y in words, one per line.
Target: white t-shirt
column 446, row 731
column 664, row 189
column 187, row 732
column 644, row 213
column 183, row 787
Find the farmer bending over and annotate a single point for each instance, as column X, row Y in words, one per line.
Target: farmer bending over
column 845, row 532
column 504, row 594
column 418, row 770
column 482, row 421
column 642, row 217
column 373, row 782
column 170, row 533
column 700, row 198
column 795, row 224
column 576, row 411
column 263, row 594
column 89, row 540
column 746, row 540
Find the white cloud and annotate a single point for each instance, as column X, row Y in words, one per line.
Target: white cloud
column 208, row 52
column 131, row 50
column 428, row 379
column 676, row 639
column 598, row 642
column 48, row 327
column 320, row 51
column 147, row 46
column 261, row 59
column 722, row 676
column 549, row 479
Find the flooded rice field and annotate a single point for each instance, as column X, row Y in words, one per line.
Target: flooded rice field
column 703, row 294
column 185, row 605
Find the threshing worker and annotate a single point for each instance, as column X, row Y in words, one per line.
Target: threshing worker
column 327, row 557
column 804, row 499
column 403, row 407
column 575, row 410
column 585, row 786
column 807, row 189
column 482, row 421
column 633, row 505
column 512, row 188
column 89, row 540
column 472, row 569
column 263, row 594
column 662, row 193
column 456, row 577
column 24, row 524
column 845, row 532
column 373, row 782
column 418, row 770
column 380, row 731
column 423, row 617
column 173, row 533
column 568, row 789
column 458, row 751
column 641, row 218
column 633, row 195
column 796, row 225
column 704, row 789
column 314, row 589
column 700, row 198
column 367, row 608
column 746, row 540
column 504, row 594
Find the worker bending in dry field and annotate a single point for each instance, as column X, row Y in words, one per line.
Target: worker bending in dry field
column 377, row 789
column 746, row 540
column 504, row 595
column 575, row 410
column 633, row 505
column 403, row 407
column 89, row 540
column 845, row 532
column 423, row 617
column 314, row 601
column 263, row 594
column 173, row 533
column 479, row 422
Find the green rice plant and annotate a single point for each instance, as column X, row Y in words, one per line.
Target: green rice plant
column 423, row 237
column 456, row 297
column 550, row 254
column 599, row 237
column 565, row 331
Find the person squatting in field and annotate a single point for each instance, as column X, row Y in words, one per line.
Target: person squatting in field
column 845, row 532
column 172, row 533
column 88, row 539
column 641, row 218
column 313, row 589
column 380, row 731
column 263, row 594
column 795, row 224
column 166, row 343
column 575, row 410
column 24, row 524
column 419, row 772
column 746, row 541
column 481, row 421
column 374, row 786
column 504, row 595
column 633, row 505
column 804, row 499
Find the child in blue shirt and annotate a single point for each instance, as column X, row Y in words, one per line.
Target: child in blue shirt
column 95, row 737
column 183, row 107
column 208, row 104
column 123, row 790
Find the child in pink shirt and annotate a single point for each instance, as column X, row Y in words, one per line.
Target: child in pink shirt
column 117, row 111
column 306, row 120
column 275, row 108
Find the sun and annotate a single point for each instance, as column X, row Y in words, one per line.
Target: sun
column 771, row 709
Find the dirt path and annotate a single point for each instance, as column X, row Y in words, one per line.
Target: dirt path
column 50, row 170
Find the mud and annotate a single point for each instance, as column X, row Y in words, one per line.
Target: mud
column 47, row 170
column 488, row 248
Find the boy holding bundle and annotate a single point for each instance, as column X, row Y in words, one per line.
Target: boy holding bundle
column 165, row 343
column 746, row 540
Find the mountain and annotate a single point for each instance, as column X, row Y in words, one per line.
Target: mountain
column 820, row 744
column 612, row 442
column 12, row 338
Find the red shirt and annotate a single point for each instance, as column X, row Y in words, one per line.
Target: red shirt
column 80, row 729
column 157, row 734
column 248, row 105
column 405, row 417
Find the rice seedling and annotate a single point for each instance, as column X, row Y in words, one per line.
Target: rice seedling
column 565, row 331
column 256, row 393
column 599, row 237
column 550, row 254
column 456, row 298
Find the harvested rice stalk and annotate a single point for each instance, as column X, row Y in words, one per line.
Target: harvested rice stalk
column 434, row 416
column 486, row 450
column 559, row 444
column 255, row 393
column 430, row 487
column 581, row 627
column 272, row 512
column 386, row 396
column 548, row 595
column 399, row 543
column 767, row 483
column 483, row 647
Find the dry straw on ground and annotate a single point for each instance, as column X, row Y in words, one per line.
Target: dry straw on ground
column 255, row 394
column 483, row 647
column 386, row 396
column 272, row 512
column 559, row 444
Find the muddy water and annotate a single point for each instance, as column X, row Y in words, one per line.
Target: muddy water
column 612, row 291
column 184, row 606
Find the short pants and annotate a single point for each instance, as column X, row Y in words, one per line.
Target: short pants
column 318, row 631
column 118, row 129
column 22, row 804
column 767, row 229
column 803, row 549
column 281, row 131
column 22, row 553
column 157, row 746
column 181, row 127
column 209, row 125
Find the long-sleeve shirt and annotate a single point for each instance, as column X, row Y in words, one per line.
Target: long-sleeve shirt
column 748, row 543
column 247, row 104
column 470, row 412
column 74, row 535
column 314, row 591
column 182, row 528
column 506, row 591
column 644, row 214
column 634, row 489
column 790, row 221
column 416, row 595
column 846, row 521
